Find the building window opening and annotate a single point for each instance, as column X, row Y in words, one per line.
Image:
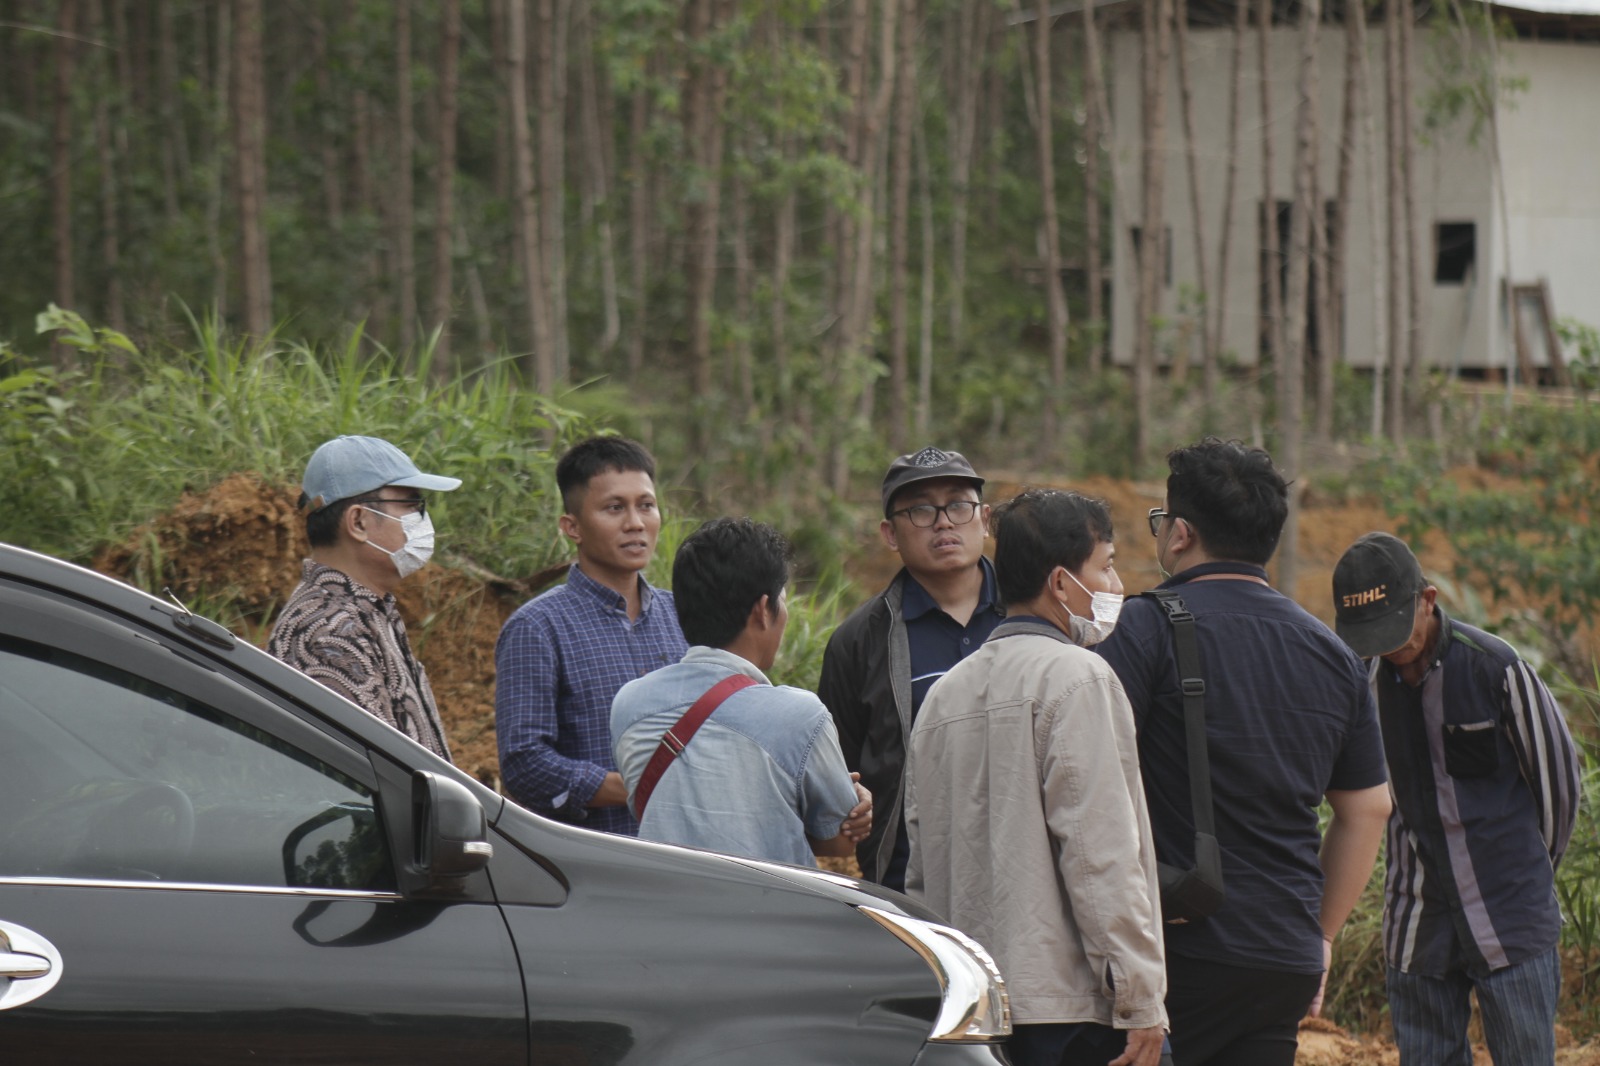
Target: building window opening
column 1455, row 252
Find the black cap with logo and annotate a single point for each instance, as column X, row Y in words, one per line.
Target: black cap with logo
column 1375, row 587
column 926, row 465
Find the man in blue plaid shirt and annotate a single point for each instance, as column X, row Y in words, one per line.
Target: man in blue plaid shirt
column 564, row 654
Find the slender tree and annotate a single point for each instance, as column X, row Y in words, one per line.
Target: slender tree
column 403, row 212
column 444, row 172
column 1055, row 298
column 1094, row 124
column 1272, row 253
column 1291, row 367
column 1393, row 86
column 905, row 111
column 551, row 46
column 1156, row 29
column 61, row 157
column 526, row 211
column 250, row 166
column 1219, row 321
column 1180, row 23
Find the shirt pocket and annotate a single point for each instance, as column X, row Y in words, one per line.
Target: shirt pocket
column 1471, row 749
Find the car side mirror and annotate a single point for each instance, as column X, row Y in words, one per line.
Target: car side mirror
column 450, row 830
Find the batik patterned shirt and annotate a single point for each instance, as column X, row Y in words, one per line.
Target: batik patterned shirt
column 343, row 634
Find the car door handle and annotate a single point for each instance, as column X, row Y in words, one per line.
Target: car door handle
column 30, row 965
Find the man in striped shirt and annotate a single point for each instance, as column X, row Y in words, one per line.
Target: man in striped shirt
column 1486, row 789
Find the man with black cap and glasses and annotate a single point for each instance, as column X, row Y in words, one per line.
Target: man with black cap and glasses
column 368, row 525
column 1486, row 788
column 937, row 610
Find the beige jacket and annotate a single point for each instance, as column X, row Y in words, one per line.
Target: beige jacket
column 1029, row 830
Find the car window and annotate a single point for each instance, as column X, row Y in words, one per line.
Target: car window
column 108, row 775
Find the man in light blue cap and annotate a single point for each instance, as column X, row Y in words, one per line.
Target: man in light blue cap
column 368, row 525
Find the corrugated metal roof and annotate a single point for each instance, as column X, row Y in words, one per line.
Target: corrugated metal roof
column 1553, row 7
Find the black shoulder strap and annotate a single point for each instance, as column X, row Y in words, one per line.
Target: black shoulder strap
column 1193, row 683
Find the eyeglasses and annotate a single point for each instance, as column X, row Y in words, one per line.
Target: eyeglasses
column 924, row 515
column 1156, row 515
column 412, row 504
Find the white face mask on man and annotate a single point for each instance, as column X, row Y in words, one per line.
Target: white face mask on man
column 1106, row 607
column 418, row 548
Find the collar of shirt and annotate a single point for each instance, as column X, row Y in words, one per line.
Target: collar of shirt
column 916, row 602
column 324, row 577
column 608, row 597
column 1220, row 567
column 700, row 653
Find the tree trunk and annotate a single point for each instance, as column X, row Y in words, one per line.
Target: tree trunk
column 504, row 161
column 1055, row 299
column 1180, row 22
column 1397, row 245
column 250, row 166
column 61, row 160
column 783, row 236
column 1272, row 254
column 638, row 229
column 403, row 216
column 905, row 112
column 971, row 51
column 703, row 132
column 526, row 196
column 924, row 408
column 107, row 156
column 744, row 372
column 1212, row 375
column 1156, row 25
column 328, row 145
column 552, row 90
column 444, row 181
column 1416, row 347
column 217, row 150
column 1332, row 321
column 1092, row 135
column 1291, row 368
column 597, row 190
column 174, row 143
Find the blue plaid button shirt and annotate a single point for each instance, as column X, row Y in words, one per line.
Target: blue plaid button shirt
column 559, row 662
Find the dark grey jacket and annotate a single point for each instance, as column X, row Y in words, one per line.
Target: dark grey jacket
column 866, row 685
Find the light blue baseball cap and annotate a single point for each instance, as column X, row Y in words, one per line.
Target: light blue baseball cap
column 352, row 466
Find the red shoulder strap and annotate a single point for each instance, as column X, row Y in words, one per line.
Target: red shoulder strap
column 674, row 740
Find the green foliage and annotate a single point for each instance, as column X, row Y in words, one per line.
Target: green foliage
column 94, row 451
column 1579, row 872
column 1465, row 81
column 1526, row 527
column 1583, row 363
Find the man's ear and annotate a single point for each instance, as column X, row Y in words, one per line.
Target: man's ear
column 761, row 616
column 354, row 523
column 569, row 527
column 886, row 531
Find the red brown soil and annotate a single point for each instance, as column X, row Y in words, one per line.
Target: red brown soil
column 242, row 542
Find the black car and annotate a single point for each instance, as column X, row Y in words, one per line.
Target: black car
column 206, row 857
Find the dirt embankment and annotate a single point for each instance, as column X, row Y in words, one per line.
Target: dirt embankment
column 242, row 541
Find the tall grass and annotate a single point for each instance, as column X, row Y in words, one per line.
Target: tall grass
column 94, row 450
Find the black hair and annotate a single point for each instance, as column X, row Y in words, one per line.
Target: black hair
column 322, row 525
column 721, row 571
column 597, row 455
column 1039, row 530
column 1232, row 495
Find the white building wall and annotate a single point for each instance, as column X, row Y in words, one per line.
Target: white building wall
column 1551, row 164
column 1550, row 138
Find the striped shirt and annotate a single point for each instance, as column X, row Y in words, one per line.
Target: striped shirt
column 343, row 634
column 559, row 662
column 1486, row 788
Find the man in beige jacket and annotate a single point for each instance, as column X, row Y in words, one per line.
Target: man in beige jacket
column 1024, row 804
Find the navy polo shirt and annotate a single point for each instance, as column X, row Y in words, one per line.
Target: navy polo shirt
column 1289, row 716
column 938, row 642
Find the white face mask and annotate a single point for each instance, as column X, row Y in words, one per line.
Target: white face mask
column 418, row 548
column 1106, row 608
